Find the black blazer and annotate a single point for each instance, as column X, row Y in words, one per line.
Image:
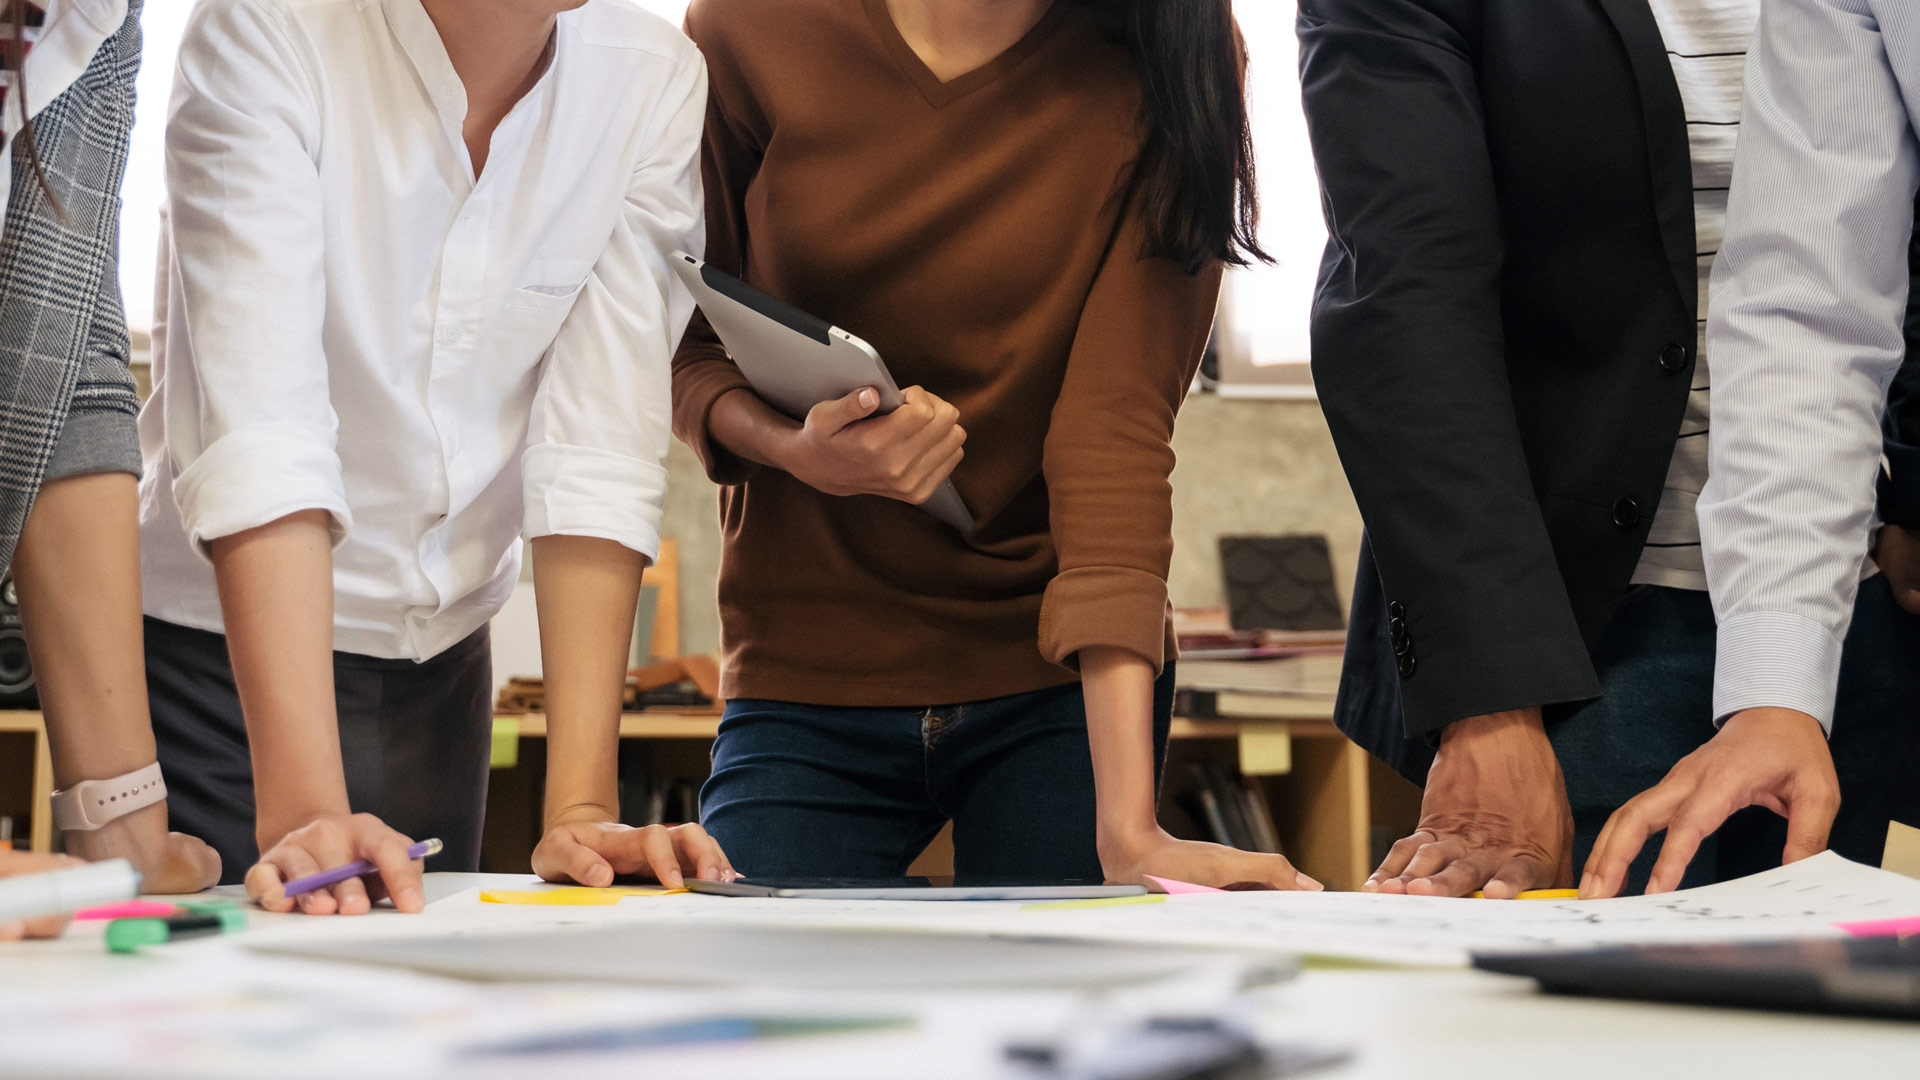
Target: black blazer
column 1503, row 337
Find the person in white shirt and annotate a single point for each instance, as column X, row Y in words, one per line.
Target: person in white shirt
column 1812, row 323
column 415, row 305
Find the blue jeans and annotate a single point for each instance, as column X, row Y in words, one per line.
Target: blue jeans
column 812, row 790
column 1656, row 674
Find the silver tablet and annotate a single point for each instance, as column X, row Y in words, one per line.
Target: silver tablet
column 796, row 361
column 913, row 888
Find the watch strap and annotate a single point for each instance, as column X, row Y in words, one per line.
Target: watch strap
column 92, row 803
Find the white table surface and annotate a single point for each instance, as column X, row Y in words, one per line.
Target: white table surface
column 1404, row 1024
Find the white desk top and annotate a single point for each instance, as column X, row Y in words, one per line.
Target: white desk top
column 1406, row 1025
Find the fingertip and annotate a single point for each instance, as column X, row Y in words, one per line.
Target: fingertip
column 410, row 900
column 1302, row 881
column 868, row 398
column 672, row 879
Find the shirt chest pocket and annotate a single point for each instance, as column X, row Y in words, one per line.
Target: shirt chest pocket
column 535, row 311
column 550, row 286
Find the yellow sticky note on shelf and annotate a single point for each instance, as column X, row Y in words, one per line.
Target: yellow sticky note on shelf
column 506, row 742
column 572, row 896
column 1265, row 749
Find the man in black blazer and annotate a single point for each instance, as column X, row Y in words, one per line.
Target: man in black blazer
column 1504, row 343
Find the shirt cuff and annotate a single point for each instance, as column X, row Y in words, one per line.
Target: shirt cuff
column 696, row 387
column 1113, row 606
column 259, row 474
column 1778, row 660
column 582, row 491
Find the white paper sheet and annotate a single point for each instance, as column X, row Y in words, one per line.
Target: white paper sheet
column 1805, row 899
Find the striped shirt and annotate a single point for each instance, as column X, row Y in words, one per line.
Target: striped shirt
column 1707, row 44
column 1810, row 295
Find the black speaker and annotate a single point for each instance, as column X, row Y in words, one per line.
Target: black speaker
column 16, row 670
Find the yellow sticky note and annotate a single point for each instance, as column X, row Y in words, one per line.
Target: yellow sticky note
column 1104, row 901
column 573, row 896
column 1265, row 749
column 506, row 742
column 1903, row 850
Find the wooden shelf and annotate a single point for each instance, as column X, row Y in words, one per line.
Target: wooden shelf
column 666, row 724
column 40, row 805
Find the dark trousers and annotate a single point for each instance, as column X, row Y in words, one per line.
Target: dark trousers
column 808, row 790
column 415, row 740
column 1656, row 673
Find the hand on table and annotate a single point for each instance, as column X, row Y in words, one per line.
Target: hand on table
column 25, row 862
column 1776, row 758
column 592, row 852
column 843, row 449
column 331, row 840
column 1494, row 816
column 1160, row 854
column 168, row 862
column 1897, row 552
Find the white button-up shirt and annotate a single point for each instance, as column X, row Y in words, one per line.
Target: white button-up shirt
column 349, row 321
column 1809, row 300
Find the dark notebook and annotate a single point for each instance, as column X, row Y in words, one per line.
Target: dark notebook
column 1280, row 583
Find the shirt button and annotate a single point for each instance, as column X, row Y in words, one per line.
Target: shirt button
column 1626, row 514
column 1674, row 356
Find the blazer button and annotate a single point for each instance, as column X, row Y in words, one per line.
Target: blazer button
column 1406, row 665
column 1396, row 610
column 1626, row 513
column 1397, row 633
column 1674, row 356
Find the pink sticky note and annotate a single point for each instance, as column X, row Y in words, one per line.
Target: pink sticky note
column 131, row 909
column 1882, row 927
column 1176, row 888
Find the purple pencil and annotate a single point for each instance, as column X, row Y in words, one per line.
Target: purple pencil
column 355, row 869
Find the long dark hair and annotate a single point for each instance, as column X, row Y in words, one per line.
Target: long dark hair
column 1196, row 175
column 13, row 57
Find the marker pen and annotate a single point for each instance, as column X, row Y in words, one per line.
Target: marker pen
column 57, row 892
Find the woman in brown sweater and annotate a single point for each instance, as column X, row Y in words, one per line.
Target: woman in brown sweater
column 1025, row 206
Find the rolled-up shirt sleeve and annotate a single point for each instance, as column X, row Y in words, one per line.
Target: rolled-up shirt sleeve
column 251, row 432
column 1809, row 295
column 595, row 461
column 1108, row 456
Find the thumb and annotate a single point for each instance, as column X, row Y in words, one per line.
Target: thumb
column 831, row 417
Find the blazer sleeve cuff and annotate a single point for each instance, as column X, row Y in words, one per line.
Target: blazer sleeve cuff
column 1446, row 685
column 696, row 386
column 1776, row 659
column 582, row 491
column 1113, row 606
column 259, row 474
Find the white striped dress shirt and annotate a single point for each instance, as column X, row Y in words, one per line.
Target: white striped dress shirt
column 1809, row 295
column 1707, row 44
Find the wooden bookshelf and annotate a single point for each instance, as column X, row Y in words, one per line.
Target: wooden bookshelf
column 26, row 776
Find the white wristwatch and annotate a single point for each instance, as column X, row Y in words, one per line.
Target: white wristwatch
column 92, row 803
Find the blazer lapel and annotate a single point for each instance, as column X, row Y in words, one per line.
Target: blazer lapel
column 1666, row 129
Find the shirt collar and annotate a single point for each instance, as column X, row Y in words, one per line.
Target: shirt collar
column 420, row 40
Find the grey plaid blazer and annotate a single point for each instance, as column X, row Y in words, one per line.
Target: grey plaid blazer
column 63, row 332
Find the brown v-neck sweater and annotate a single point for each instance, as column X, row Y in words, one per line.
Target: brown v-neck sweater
column 982, row 235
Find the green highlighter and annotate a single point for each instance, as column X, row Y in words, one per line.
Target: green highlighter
column 189, row 921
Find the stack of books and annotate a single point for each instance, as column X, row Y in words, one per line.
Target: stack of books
column 1255, row 674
